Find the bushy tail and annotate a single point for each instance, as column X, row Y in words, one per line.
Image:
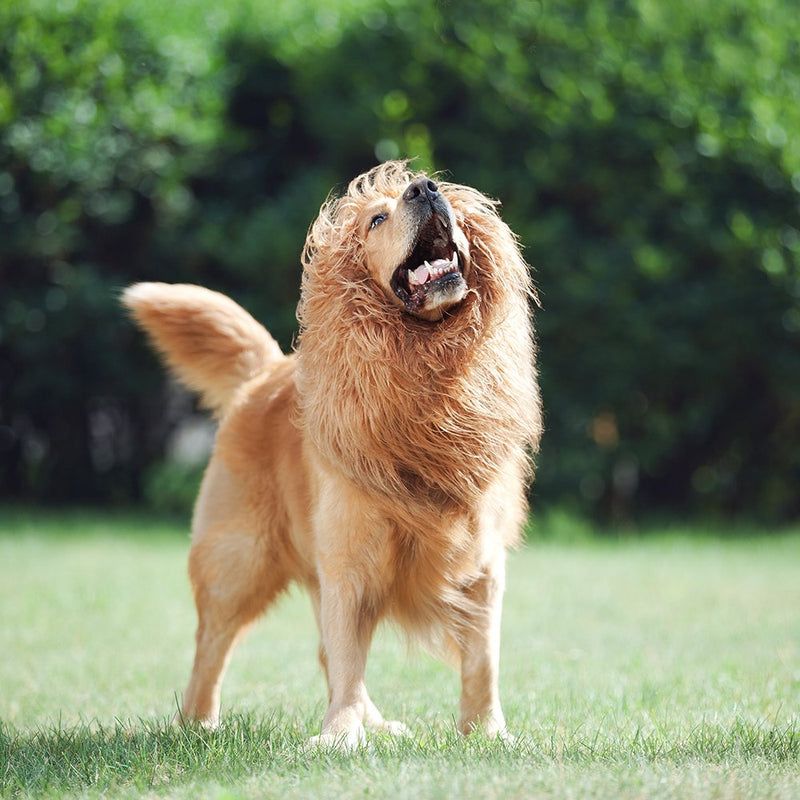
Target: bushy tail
column 209, row 342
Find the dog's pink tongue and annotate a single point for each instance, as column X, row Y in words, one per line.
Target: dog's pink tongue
column 420, row 274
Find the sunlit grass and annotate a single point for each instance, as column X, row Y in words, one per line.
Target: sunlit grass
column 664, row 667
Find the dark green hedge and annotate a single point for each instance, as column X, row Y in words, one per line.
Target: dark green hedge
column 647, row 154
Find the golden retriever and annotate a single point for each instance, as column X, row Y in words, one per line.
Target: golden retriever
column 383, row 464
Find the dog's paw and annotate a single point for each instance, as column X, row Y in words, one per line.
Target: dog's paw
column 503, row 735
column 491, row 726
column 206, row 723
column 392, row 727
column 347, row 741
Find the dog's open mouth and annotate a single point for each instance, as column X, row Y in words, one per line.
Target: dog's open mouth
column 432, row 275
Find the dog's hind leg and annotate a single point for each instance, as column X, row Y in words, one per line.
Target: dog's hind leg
column 234, row 580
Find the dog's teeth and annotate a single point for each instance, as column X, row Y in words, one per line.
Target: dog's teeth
column 427, row 272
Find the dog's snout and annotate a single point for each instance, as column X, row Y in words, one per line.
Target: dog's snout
column 421, row 190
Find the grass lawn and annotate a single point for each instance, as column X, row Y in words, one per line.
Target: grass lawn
column 665, row 667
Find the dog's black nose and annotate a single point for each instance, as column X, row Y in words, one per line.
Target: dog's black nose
column 422, row 190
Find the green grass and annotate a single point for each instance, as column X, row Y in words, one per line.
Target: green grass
column 665, row 667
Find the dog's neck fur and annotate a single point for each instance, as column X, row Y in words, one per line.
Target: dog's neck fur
column 427, row 413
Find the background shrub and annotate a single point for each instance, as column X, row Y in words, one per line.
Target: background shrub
column 648, row 157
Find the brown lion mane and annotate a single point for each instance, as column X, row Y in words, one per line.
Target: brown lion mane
column 428, row 413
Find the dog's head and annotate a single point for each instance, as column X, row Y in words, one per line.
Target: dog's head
column 411, row 238
column 415, row 250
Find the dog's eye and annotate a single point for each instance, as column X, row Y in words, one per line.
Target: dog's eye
column 376, row 220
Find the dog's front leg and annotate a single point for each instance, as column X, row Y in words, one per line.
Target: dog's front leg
column 347, row 627
column 479, row 645
column 354, row 566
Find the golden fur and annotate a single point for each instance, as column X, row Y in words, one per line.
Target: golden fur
column 383, row 464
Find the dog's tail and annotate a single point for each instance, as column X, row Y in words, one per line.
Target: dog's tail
column 209, row 342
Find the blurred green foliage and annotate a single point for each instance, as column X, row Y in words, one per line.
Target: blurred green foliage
column 170, row 487
column 647, row 154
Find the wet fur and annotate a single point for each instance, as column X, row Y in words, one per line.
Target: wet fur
column 382, row 465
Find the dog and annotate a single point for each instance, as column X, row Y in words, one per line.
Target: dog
column 383, row 464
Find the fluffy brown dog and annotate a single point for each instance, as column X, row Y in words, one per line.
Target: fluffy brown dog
column 383, row 464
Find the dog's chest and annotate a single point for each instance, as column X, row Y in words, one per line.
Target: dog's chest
column 431, row 562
